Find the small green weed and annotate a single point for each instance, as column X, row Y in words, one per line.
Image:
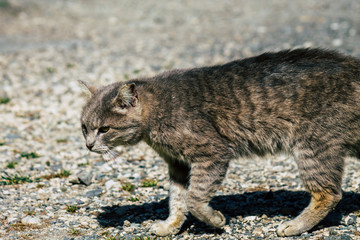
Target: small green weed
column 62, row 174
column 61, row 140
column 105, row 233
column 134, row 199
column 51, row 70
column 83, row 164
column 126, row 76
column 74, row 231
column 4, row 4
column 2, row 142
column 11, row 164
column 128, row 187
column 4, row 100
column 29, row 155
column 149, row 183
column 136, row 71
column 14, row 179
column 71, row 208
column 70, row 65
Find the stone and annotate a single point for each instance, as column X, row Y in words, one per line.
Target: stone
column 12, row 136
column 112, row 185
column 127, row 223
column 56, row 167
column 74, row 179
column 350, row 220
column 85, row 178
column 31, row 220
column 91, row 237
column 105, row 168
column 344, row 237
column 12, row 220
column 250, row 218
column 100, row 176
column 93, row 193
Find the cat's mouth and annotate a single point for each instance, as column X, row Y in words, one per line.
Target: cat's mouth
column 98, row 151
column 107, row 153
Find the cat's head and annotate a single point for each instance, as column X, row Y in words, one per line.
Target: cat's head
column 111, row 117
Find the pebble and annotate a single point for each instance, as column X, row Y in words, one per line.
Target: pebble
column 6, row 192
column 112, row 185
column 127, row 223
column 12, row 220
column 85, row 178
column 250, row 218
column 350, row 220
column 337, row 42
column 56, row 167
column 344, row 237
column 93, row 193
column 31, row 220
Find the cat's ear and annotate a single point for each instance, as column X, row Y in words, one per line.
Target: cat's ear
column 91, row 89
column 126, row 98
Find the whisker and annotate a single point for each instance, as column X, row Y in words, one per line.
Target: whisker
column 106, row 156
column 110, row 154
column 115, row 154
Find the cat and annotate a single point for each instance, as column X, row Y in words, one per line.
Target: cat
column 304, row 102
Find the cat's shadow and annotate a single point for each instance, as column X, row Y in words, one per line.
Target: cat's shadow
column 287, row 203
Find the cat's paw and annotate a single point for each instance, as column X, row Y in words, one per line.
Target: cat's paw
column 163, row 228
column 217, row 220
column 290, row 228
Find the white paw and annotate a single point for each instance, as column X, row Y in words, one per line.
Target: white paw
column 218, row 220
column 290, row 228
column 163, row 228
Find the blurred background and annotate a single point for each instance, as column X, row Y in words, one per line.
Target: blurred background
column 47, row 45
column 156, row 35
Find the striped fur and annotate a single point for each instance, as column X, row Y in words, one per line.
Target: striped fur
column 304, row 102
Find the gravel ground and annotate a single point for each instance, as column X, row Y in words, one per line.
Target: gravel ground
column 52, row 188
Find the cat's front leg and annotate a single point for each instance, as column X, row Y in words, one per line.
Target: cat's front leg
column 206, row 177
column 177, row 200
column 178, row 211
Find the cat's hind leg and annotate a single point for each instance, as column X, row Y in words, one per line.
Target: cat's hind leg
column 321, row 169
column 321, row 204
column 179, row 174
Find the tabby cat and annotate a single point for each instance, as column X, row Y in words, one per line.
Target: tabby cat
column 304, row 102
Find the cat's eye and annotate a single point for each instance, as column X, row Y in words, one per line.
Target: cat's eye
column 104, row 129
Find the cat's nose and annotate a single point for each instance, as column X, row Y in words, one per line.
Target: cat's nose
column 90, row 145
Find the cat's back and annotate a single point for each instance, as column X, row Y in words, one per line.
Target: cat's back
column 289, row 66
column 304, row 76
